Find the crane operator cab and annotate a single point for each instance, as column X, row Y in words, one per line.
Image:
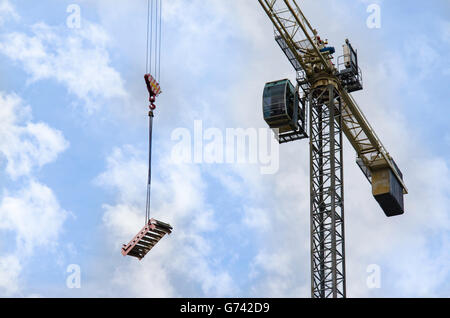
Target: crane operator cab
column 284, row 112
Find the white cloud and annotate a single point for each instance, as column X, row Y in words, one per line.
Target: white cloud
column 34, row 215
column 76, row 58
column 31, row 215
column 122, row 164
column 7, row 12
column 35, row 219
column 10, row 269
column 144, row 281
column 257, row 219
column 23, row 143
column 281, row 269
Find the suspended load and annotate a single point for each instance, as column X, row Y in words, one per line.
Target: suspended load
column 283, row 110
column 147, row 238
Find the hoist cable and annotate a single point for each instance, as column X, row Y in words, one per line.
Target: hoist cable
column 160, row 37
column 151, row 37
column 148, row 37
column 149, row 184
column 156, row 40
column 153, row 58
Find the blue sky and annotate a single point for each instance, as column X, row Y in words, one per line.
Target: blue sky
column 73, row 151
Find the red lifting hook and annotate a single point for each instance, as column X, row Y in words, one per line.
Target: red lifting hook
column 153, row 89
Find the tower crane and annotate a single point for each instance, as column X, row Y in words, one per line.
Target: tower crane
column 320, row 107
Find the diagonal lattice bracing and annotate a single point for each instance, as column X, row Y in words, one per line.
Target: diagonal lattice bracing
column 327, row 193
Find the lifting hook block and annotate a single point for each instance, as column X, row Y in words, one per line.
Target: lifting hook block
column 153, row 89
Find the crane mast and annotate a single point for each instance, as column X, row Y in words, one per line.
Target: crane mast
column 333, row 112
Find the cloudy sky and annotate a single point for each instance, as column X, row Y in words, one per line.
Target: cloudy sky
column 73, row 146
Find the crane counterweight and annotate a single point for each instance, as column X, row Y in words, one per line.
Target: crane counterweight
column 388, row 191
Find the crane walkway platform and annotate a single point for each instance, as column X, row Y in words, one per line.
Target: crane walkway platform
column 146, row 239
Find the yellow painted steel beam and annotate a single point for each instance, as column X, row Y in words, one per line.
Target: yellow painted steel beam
column 282, row 27
column 363, row 137
column 296, row 14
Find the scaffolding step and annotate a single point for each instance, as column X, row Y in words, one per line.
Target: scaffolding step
column 146, row 239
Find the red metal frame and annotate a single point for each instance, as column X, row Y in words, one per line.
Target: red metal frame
column 146, row 239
